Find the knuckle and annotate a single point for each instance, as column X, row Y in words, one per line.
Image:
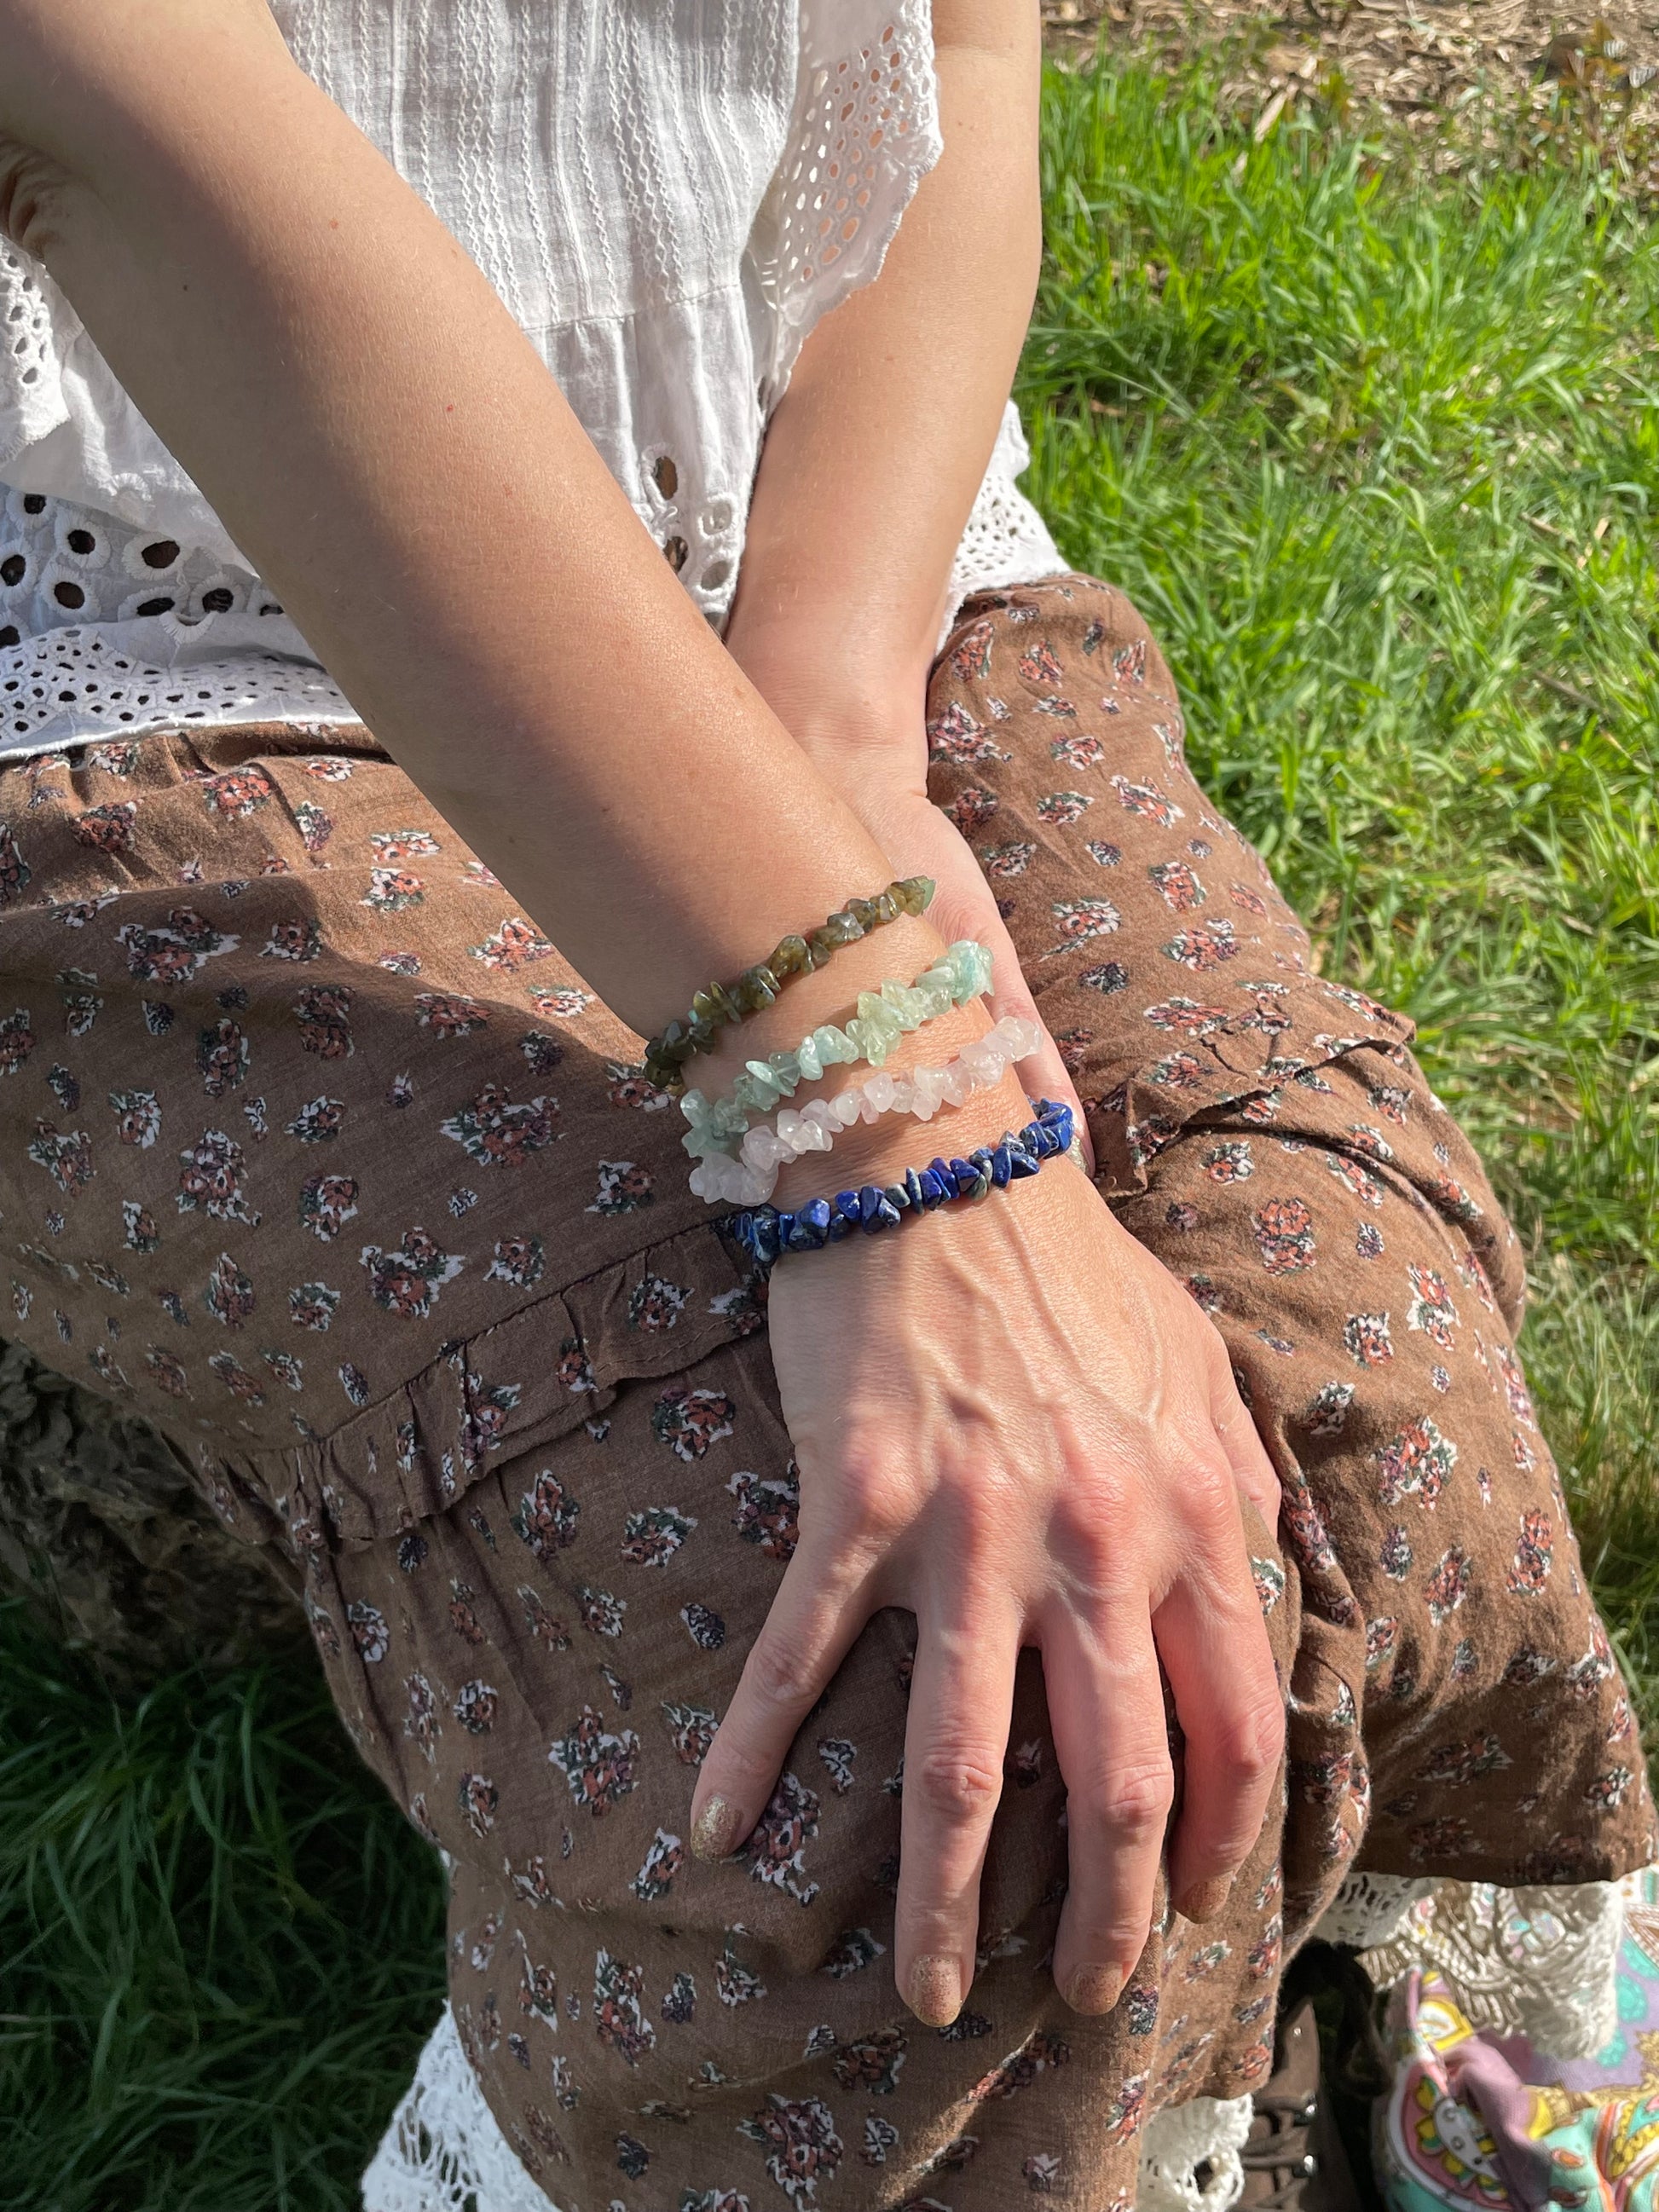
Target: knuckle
column 781, row 1674
column 959, row 1782
column 869, row 1499
column 1251, row 1743
column 1134, row 1801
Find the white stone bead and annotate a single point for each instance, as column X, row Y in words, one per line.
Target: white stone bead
column 845, row 1107
column 879, row 1091
column 956, row 1084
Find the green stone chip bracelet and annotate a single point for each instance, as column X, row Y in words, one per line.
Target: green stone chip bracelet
column 722, row 1004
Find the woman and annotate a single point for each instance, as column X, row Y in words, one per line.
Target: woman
column 998, row 1545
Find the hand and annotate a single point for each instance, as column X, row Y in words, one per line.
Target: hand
column 1013, row 1422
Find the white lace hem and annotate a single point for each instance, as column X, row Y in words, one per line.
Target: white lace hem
column 1207, row 2132
column 444, row 2150
column 119, row 679
column 1006, row 541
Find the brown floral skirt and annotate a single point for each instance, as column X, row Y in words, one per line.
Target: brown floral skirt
column 314, row 1152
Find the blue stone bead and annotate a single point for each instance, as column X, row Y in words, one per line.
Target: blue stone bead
column 1022, row 1161
column 914, row 1189
column 805, row 1235
column 942, row 1176
column 932, row 1189
column 898, row 1196
column 966, row 1174
column 818, row 1213
column 869, row 1202
column 767, row 1244
column 1002, row 1164
column 839, row 1226
column 1040, row 1138
column 847, row 1208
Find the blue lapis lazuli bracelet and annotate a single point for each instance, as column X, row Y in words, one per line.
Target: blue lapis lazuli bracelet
column 767, row 1233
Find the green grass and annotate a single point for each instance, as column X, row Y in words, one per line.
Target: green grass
column 1372, row 438
column 1371, row 435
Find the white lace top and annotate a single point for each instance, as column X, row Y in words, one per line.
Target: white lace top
column 667, row 195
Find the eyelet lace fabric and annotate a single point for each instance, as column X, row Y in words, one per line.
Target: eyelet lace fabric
column 106, row 628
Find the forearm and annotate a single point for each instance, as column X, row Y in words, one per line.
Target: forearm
column 386, row 447
column 873, row 457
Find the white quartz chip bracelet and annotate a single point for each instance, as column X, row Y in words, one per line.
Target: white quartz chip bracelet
column 752, row 1177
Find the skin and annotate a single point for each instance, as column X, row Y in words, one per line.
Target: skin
column 1010, row 1420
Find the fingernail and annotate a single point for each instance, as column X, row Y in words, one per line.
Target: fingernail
column 1206, row 1899
column 1094, row 1989
column 715, row 1831
column 936, row 1991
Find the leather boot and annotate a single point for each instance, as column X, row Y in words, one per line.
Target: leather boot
column 1293, row 2158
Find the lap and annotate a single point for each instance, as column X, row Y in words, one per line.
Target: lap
column 319, row 1155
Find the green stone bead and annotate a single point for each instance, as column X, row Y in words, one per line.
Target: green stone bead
column 701, row 1035
column 755, row 987
column 841, row 929
column 789, row 957
column 887, row 906
column 863, row 911
column 915, row 893
column 705, row 1007
column 872, row 1044
column 875, row 1013
column 907, row 1003
column 833, row 1047
column 785, row 1066
column 806, row 1055
column 765, row 1084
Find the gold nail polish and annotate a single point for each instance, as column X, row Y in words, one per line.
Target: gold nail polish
column 1094, row 1989
column 715, row 1831
column 936, row 1991
column 1206, row 1899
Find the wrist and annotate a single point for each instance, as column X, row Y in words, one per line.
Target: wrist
column 862, row 710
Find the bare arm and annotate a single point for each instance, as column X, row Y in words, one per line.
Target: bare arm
column 874, row 454
column 870, row 468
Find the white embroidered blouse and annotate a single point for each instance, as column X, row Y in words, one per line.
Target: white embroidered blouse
column 667, row 195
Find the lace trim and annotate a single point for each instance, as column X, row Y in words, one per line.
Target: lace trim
column 26, row 343
column 1538, row 1962
column 864, row 132
column 1369, row 1909
column 444, row 2150
column 1206, row 2131
column 1006, row 541
column 70, row 685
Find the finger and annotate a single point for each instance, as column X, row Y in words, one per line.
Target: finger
column 1106, row 1707
column 1213, row 1642
column 820, row 1606
column 1045, row 1074
column 1237, row 1433
column 961, row 1697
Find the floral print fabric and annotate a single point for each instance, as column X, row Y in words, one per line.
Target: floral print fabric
column 318, row 1154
